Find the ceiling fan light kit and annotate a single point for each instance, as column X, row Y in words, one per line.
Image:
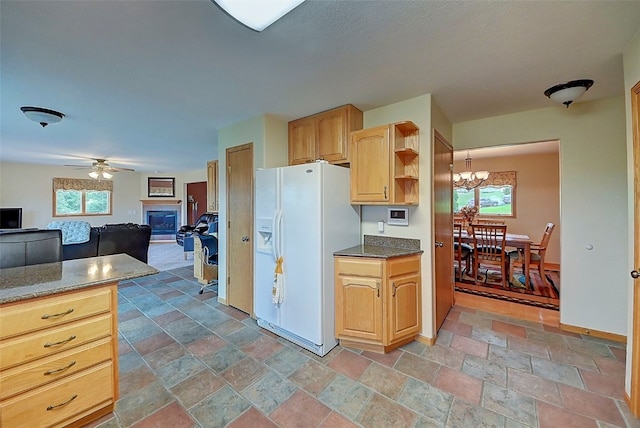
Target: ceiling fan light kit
column 43, row 116
column 257, row 14
column 101, row 169
column 566, row 93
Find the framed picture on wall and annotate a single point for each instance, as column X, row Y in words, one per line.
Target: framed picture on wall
column 162, row 187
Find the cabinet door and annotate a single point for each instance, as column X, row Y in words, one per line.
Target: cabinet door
column 359, row 308
column 302, row 141
column 332, row 136
column 370, row 167
column 212, row 186
column 403, row 307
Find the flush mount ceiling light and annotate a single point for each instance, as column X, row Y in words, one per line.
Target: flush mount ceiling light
column 43, row 116
column 566, row 93
column 257, row 14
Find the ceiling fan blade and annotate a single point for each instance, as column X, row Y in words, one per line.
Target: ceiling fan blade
column 80, row 166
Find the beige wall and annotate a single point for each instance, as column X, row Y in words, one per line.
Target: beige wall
column 537, row 197
column 269, row 137
column 419, row 110
column 631, row 77
column 593, row 200
column 29, row 186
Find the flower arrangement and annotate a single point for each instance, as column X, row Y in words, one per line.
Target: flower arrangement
column 469, row 213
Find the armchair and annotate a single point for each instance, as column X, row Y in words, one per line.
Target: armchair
column 201, row 226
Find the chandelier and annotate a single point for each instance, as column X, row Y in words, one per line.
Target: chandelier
column 468, row 179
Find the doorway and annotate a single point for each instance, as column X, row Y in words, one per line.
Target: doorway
column 239, row 161
column 517, row 195
column 196, row 201
column 443, row 222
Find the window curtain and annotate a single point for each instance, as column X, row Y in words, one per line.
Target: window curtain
column 501, row 178
column 82, row 184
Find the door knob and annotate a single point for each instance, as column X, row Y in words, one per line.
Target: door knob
column 245, row 239
column 635, row 274
column 439, row 244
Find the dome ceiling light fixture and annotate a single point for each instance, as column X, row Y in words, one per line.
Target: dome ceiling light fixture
column 43, row 116
column 566, row 93
column 257, row 14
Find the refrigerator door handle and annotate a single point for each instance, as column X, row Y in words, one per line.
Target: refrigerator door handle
column 274, row 234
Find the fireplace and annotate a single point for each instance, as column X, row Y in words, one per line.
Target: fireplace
column 162, row 222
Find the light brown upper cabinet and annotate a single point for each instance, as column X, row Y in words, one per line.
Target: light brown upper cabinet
column 212, row 186
column 384, row 165
column 323, row 136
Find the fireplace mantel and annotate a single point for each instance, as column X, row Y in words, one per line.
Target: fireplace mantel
column 161, row 201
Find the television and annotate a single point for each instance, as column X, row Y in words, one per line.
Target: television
column 10, row 218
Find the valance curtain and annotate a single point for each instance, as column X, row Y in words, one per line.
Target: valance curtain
column 501, row 178
column 82, row 184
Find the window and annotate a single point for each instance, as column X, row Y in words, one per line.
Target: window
column 495, row 198
column 76, row 196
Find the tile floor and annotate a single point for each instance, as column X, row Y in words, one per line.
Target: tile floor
column 188, row 361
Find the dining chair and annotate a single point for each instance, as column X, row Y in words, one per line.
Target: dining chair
column 489, row 221
column 538, row 252
column 461, row 250
column 489, row 242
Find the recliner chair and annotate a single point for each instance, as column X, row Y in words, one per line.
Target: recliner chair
column 201, row 226
column 30, row 247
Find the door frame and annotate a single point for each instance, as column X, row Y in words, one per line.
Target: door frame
column 438, row 138
column 633, row 399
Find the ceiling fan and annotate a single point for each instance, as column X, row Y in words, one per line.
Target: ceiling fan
column 101, row 169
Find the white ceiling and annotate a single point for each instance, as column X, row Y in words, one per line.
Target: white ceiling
column 146, row 84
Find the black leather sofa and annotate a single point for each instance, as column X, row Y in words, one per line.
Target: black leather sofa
column 24, row 247
column 129, row 238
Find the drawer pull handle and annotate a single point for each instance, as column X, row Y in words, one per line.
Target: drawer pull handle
column 47, row 316
column 62, row 342
column 55, row 406
column 50, row 372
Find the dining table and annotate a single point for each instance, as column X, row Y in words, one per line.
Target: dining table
column 521, row 242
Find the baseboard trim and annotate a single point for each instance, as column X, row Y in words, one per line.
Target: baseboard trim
column 223, row 301
column 595, row 333
column 426, row 340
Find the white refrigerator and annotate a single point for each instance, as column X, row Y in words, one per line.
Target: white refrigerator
column 303, row 215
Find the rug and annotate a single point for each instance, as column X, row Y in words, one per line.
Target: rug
column 536, row 293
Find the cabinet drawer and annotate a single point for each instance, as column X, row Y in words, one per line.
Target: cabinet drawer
column 46, row 406
column 359, row 267
column 51, row 311
column 39, row 344
column 31, row 375
column 404, row 265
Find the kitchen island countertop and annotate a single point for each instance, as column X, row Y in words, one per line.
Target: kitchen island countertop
column 27, row 282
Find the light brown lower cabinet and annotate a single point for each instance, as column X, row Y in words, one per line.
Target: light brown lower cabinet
column 58, row 358
column 377, row 301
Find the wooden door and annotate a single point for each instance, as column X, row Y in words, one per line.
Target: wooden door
column 370, row 165
column 443, row 227
column 196, row 201
column 240, row 227
column 634, row 397
column 302, row 141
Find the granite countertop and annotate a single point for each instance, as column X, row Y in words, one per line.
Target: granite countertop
column 382, row 247
column 27, row 282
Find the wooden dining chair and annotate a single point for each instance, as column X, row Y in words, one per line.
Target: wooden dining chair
column 538, row 252
column 489, row 242
column 489, row 221
column 461, row 250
